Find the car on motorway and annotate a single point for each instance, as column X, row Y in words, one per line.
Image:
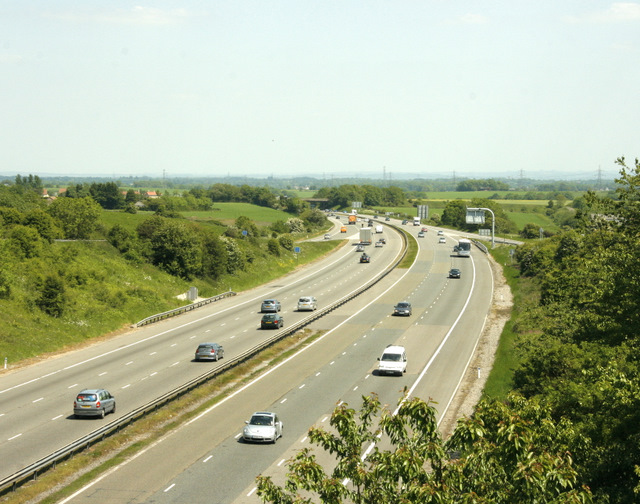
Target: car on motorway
column 307, row 303
column 440, row 232
column 271, row 321
column 360, row 247
column 94, row 402
column 442, row 239
column 404, row 222
column 393, row 360
column 454, row 273
column 343, row 229
column 264, row 427
column 424, row 230
column 402, row 308
column 270, row 305
column 209, row 351
column 387, row 219
column 327, row 236
column 420, row 234
column 383, row 241
column 364, row 258
column 379, row 243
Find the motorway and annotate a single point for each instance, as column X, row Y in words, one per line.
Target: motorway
column 205, row 460
column 141, row 365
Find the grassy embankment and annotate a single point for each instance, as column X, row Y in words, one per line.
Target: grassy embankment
column 104, row 293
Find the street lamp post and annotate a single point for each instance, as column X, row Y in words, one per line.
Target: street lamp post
column 493, row 222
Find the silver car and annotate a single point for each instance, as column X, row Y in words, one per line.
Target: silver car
column 94, row 402
column 307, row 303
column 270, row 305
column 209, row 351
column 264, row 427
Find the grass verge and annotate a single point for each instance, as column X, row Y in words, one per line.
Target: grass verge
column 500, row 380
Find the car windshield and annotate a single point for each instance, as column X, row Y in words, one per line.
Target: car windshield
column 261, row 420
column 391, row 357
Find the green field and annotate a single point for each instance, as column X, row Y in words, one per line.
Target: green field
column 227, row 213
column 541, row 220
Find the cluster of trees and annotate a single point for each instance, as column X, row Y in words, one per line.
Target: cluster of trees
column 110, row 197
column 482, row 185
column 188, row 250
column 579, row 344
column 369, row 195
column 29, row 225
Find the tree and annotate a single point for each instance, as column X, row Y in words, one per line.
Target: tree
column 78, row 217
column 26, row 241
column 508, row 452
column 107, row 195
column 43, row 223
column 176, row 249
column 52, row 298
column 454, row 213
column 530, row 231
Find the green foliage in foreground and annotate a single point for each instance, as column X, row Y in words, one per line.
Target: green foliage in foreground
column 575, row 337
column 507, row 453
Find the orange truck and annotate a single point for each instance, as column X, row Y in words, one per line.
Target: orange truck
column 352, row 219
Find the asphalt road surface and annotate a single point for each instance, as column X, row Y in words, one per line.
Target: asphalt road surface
column 206, row 461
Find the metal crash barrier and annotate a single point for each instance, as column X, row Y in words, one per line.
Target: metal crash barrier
column 32, row 471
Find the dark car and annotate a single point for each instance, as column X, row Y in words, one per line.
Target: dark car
column 270, row 305
column 454, row 273
column 364, row 258
column 402, row 308
column 404, row 222
column 387, row 219
column 94, row 402
column 209, row 351
column 272, row 321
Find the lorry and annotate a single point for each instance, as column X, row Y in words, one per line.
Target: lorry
column 353, row 219
column 379, row 228
column 365, row 235
column 416, row 221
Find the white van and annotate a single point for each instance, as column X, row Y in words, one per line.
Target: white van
column 307, row 303
column 393, row 360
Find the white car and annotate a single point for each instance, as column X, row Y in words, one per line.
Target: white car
column 327, row 236
column 440, row 232
column 379, row 243
column 264, row 427
column 442, row 239
column 307, row 303
column 393, row 360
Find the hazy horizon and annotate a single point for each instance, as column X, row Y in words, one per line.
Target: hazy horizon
column 330, row 89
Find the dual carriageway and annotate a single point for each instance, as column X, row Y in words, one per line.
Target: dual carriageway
column 440, row 337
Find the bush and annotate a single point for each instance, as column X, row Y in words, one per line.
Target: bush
column 286, row 242
column 274, row 247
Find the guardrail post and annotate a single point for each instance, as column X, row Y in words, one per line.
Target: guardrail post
column 5, row 363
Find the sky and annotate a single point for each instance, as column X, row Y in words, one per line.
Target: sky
column 332, row 88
